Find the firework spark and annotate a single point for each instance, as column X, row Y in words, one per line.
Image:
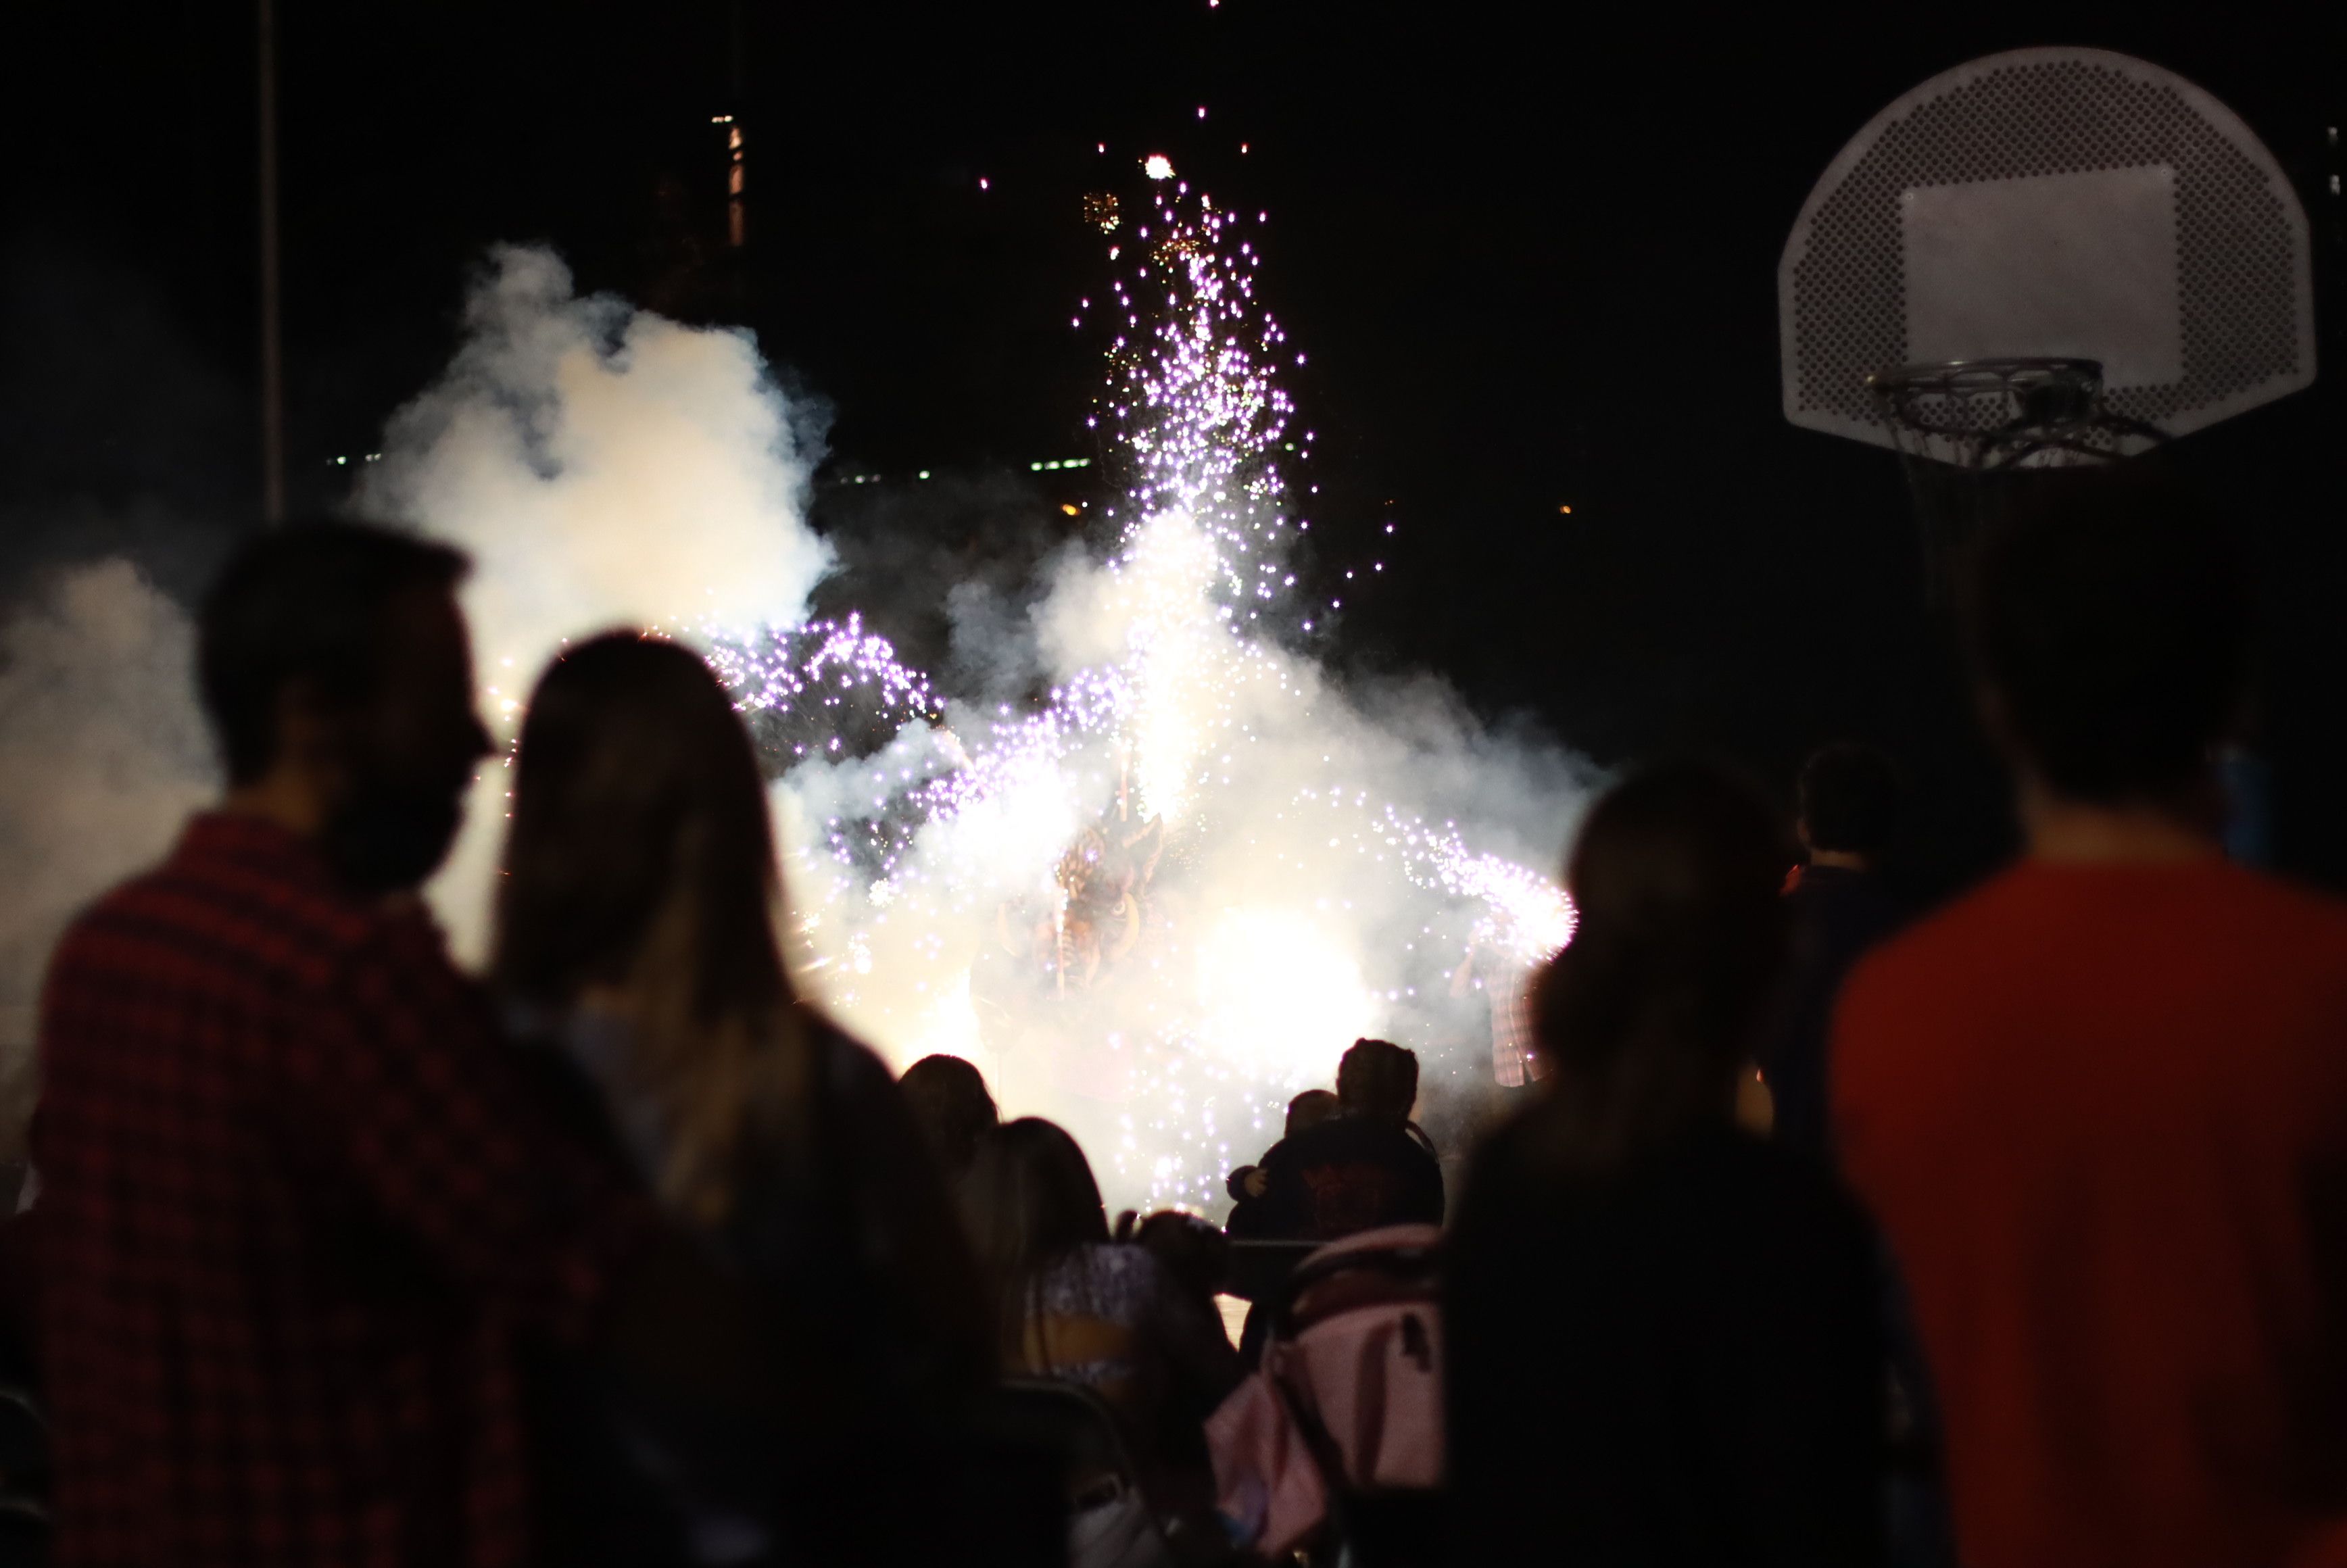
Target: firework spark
column 1026, row 887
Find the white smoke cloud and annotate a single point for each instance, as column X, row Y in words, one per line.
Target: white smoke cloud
column 1331, row 857
column 102, row 756
column 604, row 467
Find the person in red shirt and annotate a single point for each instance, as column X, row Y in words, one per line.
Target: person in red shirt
column 2099, row 1105
column 298, row 1194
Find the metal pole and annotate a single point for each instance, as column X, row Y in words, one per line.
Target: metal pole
column 734, row 64
column 272, row 353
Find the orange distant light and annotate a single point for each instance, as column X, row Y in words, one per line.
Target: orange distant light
column 1565, row 509
column 1069, row 507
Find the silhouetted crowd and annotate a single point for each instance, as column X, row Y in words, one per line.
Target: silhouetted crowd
column 1819, row 1231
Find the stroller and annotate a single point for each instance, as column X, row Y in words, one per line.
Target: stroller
column 1108, row 1521
column 1334, row 1448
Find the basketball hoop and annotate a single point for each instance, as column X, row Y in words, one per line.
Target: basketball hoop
column 2043, row 259
column 2016, row 412
column 1961, row 427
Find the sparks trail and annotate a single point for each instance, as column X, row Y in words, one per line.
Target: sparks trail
column 1152, row 903
column 822, row 688
column 1192, row 405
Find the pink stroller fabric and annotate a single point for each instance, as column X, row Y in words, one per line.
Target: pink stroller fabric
column 1365, row 1367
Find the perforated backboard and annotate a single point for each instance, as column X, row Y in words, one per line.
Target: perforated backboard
column 2050, row 202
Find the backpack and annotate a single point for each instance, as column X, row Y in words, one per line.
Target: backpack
column 1344, row 1419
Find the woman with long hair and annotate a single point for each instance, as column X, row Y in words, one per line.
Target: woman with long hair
column 1661, row 1331
column 1072, row 1305
column 637, row 936
column 952, row 1106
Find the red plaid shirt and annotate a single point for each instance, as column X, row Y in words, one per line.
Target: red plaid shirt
column 295, row 1201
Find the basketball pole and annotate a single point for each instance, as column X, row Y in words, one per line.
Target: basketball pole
column 273, row 348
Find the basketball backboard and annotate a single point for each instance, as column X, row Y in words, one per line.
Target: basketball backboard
column 2057, row 204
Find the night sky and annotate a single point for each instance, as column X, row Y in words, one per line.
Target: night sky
column 1531, row 253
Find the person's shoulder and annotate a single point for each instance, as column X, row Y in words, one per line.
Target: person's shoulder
column 851, row 1066
column 207, row 904
column 850, row 1080
column 1501, row 1157
column 395, row 947
column 150, row 901
column 2275, row 937
column 2285, row 908
column 1942, row 946
column 1514, row 1179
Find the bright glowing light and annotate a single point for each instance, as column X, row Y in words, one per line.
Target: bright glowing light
column 1157, row 166
column 1279, row 996
column 946, row 861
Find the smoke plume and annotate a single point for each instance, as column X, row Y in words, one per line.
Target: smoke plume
column 604, row 467
column 102, row 755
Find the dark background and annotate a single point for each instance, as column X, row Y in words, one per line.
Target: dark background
column 1531, row 252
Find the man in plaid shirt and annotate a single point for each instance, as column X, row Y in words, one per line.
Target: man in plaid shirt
column 297, row 1198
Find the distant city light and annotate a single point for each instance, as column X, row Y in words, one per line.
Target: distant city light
column 981, row 182
column 1566, row 510
column 1157, row 166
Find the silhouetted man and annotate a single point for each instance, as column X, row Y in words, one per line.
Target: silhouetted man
column 1362, row 1169
column 297, row 1201
column 2100, row 1104
column 1837, row 909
